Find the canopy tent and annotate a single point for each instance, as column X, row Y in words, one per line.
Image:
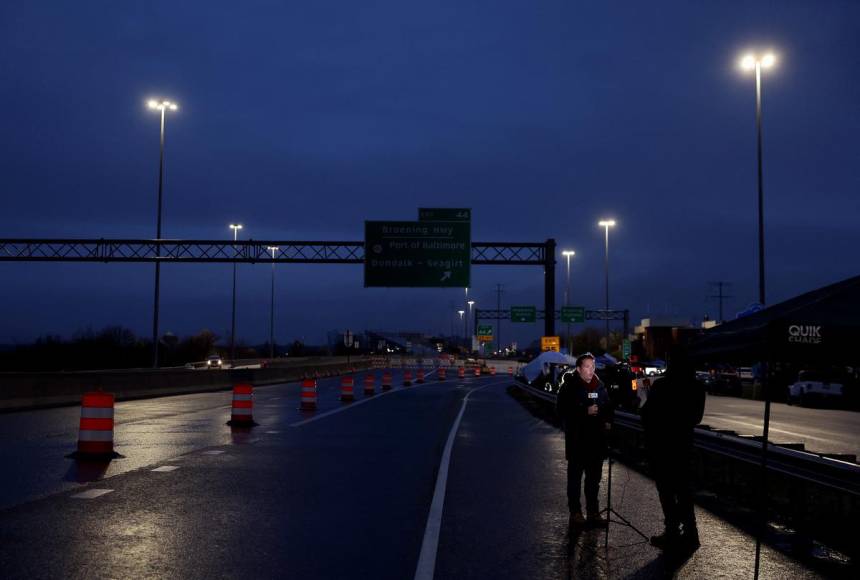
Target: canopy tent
column 541, row 364
column 823, row 323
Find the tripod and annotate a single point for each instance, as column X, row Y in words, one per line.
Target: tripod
column 621, row 520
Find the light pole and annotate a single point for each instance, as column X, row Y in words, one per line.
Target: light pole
column 748, row 63
column 272, row 249
column 568, row 254
column 465, row 330
column 606, row 224
column 162, row 106
column 469, row 339
column 235, row 228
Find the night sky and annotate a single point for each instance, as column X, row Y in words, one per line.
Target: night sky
column 301, row 120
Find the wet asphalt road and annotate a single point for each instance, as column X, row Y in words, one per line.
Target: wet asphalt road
column 822, row 430
column 345, row 495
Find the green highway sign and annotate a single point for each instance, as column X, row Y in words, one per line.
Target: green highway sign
column 485, row 332
column 417, row 254
column 444, row 214
column 573, row 314
column 625, row 349
column 523, row 313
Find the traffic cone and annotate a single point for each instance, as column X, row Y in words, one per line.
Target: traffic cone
column 442, row 373
column 95, row 436
column 386, row 381
column 420, row 378
column 346, row 394
column 242, row 411
column 369, row 385
column 309, row 395
column 461, row 372
column 511, row 371
column 407, row 378
column 477, row 371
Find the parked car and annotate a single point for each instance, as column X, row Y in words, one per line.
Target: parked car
column 813, row 387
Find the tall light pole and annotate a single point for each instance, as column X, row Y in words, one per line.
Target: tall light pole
column 568, row 254
column 163, row 106
column 606, row 224
column 748, row 63
column 465, row 329
column 469, row 334
column 235, row 228
column 272, row 249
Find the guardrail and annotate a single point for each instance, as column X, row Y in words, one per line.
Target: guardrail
column 816, row 495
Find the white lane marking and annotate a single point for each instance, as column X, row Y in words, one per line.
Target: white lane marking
column 91, row 493
column 272, row 432
column 771, row 428
column 213, row 452
column 166, row 468
column 427, row 560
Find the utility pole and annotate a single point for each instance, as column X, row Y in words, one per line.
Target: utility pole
column 498, row 321
column 720, row 296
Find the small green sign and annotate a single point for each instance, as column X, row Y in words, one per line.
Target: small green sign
column 573, row 314
column 625, row 349
column 485, row 330
column 523, row 313
column 444, row 214
column 417, row 254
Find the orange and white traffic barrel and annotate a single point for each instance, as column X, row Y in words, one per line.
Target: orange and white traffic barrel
column 242, row 411
column 346, row 385
column 407, row 378
column 309, row 395
column 369, row 385
column 511, row 371
column 442, row 373
column 386, row 381
column 492, row 371
column 477, row 371
column 420, row 377
column 95, row 436
column 461, row 372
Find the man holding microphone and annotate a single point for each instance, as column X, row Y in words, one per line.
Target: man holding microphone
column 586, row 414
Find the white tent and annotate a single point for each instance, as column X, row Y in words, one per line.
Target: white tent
column 541, row 364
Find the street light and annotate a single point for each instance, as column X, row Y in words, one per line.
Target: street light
column 272, row 249
column 162, row 106
column 606, row 224
column 568, row 254
column 465, row 330
column 748, row 63
column 470, row 303
column 235, row 228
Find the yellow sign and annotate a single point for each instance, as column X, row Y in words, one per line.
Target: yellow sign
column 550, row 343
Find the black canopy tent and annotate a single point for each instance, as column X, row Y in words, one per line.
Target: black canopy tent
column 819, row 327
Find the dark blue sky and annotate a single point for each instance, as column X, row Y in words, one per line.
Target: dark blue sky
column 301, row 120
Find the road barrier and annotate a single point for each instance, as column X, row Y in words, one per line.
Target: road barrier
column 346, row 384
column 420, row 376
column 477, row 371
column 95, row 436
column 407, row 378
column 309, row 395
column 511, row 371
column 442, row 373
column 461, row 373
column 492, row 371
column 386, row 381
column 242, row 410
column 370, row 385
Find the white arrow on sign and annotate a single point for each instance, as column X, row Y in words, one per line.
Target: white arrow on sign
column 445, row 276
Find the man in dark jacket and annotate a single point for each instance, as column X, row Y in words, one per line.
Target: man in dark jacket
column 675, row 405
column 586, row 414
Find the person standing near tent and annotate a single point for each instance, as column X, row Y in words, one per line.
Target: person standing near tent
column 675, row 405
column 586, row 414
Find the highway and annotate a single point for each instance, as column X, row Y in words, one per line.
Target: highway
column 821, row 430
column 451, row 479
